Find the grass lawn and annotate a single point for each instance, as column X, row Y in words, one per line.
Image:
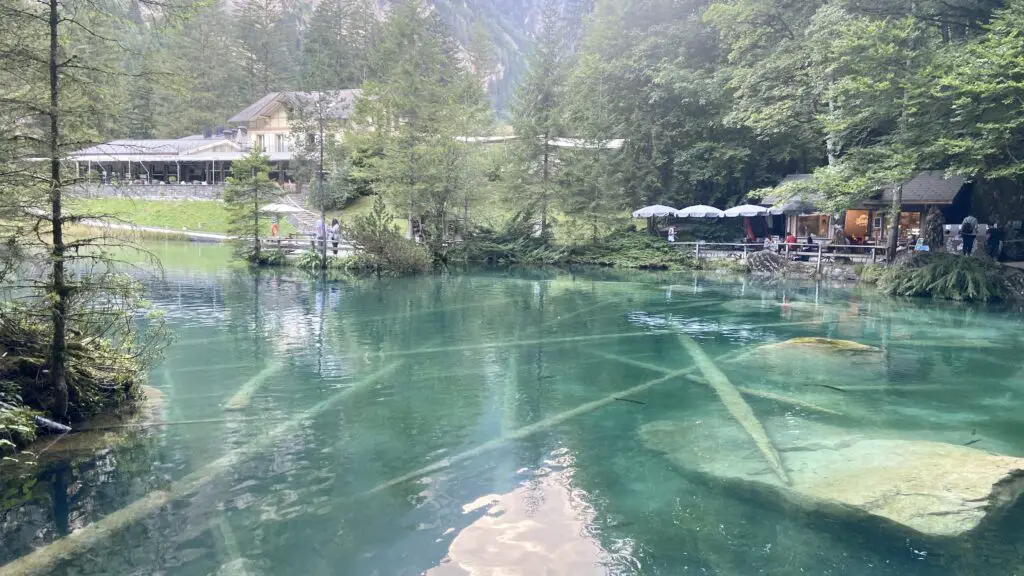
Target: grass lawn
column 191, row 215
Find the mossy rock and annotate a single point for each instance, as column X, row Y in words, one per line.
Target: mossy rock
column 822, row 344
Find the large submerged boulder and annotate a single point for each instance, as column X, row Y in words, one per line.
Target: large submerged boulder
column 937, row 489
column 827, row 345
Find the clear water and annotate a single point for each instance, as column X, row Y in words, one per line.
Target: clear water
column 485, row 374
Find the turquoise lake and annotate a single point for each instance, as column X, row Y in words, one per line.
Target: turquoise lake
column 492, row 422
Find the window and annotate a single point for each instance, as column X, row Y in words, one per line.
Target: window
column 281, row 145
column 261, row 143
column 816, row 225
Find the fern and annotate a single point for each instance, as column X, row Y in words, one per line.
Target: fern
column 945, row 276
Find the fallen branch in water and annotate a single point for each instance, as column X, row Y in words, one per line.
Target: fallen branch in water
column 44, row 560
column 527, row 431
column 747, row 391
column 242, row 398
column 740, row 410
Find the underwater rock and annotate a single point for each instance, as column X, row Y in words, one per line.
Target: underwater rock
column 937, row 489
column 821, row 344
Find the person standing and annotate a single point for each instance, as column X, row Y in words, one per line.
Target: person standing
column 321, row 233
column 274, row 228
column 335, row 234
column 968, row 232
column 995, row 238
column 671, row 233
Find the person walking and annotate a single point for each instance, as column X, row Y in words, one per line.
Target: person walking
column 968, row 232
column 995, row 239
column 321, row 233
column 335, row 234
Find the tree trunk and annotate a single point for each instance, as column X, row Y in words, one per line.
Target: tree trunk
column 894, row 222
column 255, row 217
column 59, row 310
column 831, row 146
column 320, row 180
column 544, row 191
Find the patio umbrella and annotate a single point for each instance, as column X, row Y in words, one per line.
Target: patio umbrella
column 747, row 211
column 699, row 211
column 282, row 209
column 654, row 211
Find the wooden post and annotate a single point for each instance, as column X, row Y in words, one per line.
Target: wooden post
column 698, row 251
column 744, row 250
column 873, row 248
column 819, row 259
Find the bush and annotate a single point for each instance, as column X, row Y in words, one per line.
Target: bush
column 629, row 249
column 308, row 261
column 869, row 273
column 515, row 243
column 381, row 249
column 946, row 276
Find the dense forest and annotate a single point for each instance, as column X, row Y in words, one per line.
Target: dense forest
column 714, row 98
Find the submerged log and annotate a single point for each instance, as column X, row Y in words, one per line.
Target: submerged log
column 242, row 398
column 738, row 408
column 43, row 560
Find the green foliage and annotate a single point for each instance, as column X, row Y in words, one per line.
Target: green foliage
column 945, row 276
column 309, row 261
column 630, row 249
column 17, row 427
column 108, row 355
column 423, row 101
column 381, row 248
column 870, row 273
column 516, row 243
column 246, row 193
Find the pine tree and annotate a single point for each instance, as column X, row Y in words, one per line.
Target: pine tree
column 53, row 104
column 336, row 47
column 422, row 102
column 262, row 35
column 248, row 190
column 537, row 118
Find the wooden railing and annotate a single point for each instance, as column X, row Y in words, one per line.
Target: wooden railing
column 821, row 251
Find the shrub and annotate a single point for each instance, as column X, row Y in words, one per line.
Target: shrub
column 381, row 249
column 516, row 243
column 869, row 273
column 946, row 276
column 629, row 249
column 308, row 261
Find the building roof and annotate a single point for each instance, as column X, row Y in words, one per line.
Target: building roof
column 340, row 104
column 929, row 187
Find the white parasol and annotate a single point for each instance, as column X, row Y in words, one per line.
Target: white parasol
column 654, row 211
column 699, row 211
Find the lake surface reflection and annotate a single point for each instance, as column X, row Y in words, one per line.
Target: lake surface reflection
column 475, row 424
